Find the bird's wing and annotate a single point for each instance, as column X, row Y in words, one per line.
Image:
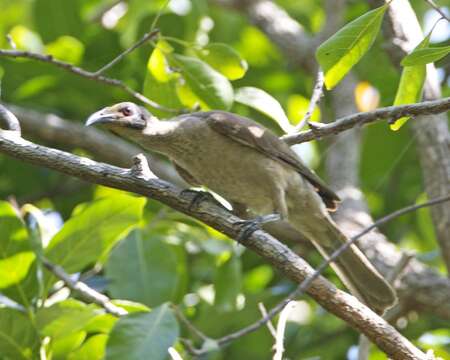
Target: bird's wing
column 185, row 175
column 251, row 134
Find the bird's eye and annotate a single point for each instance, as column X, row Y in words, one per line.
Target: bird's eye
column 126, row 111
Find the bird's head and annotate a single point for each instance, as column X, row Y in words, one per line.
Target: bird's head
column 121, row 118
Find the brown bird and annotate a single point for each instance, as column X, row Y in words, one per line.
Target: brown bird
column 258, row 174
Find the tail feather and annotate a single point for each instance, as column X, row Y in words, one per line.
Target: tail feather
column 356, row 271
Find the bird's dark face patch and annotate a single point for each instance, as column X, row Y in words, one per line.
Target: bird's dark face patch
column 125, row 115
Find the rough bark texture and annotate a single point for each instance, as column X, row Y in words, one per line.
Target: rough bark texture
column 325, row 293
column 403, row 33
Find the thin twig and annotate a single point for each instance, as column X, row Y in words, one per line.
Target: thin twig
column 147, row 37
column 435, row 7
column 86, row 292
column 179, row 314
column 364, row 118
column 281, row 327
column 270, row 326
column 86, row 74
column 315, row 98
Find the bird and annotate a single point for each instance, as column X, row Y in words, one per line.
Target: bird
column 258, row 174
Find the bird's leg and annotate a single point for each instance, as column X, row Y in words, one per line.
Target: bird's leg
column 248, row 227
column 197, row 197
column 280, row 213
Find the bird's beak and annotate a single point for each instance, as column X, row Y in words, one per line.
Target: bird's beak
column 100, row 117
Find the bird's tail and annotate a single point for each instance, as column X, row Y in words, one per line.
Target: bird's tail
column 355, row 270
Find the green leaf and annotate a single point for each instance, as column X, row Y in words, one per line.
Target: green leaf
column 227, row 283
column 263, row 102
column 62, row 346
column 411, row 83
column 143, row 335
column 211, row 87
column 160, row 81
column 343, row 50
column 425, row 56
column 16, row 254
column 151, row 278
column 224, row 59
column 18, row 338
column 89, row 235
column 92, row 349
column 66, row 48
column 65, row 317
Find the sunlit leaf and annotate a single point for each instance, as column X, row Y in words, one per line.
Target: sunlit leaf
column 62, row 346
column 143, row 335
column 297, row 107
column 263, row 102
column 210, row 86
column 409, row 90
column 344, row 49
column 151, row 279
column 425, row 56
column 88, row 236
column 224, row 59
column 65, row 317
column 92, row 349
column 25, row 39
column 66, row 48
column 160, row 82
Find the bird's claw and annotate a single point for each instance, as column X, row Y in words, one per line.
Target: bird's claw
column 248, row 227
column 197, row 198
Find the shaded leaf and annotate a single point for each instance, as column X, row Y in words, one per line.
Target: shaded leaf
column 224, row 59
column 142, row 268
column 344, row 49
column 227, row 283
column 210, row 86
column 143, row 335
column 425, row 56
column 265, row 103
column 18, row 338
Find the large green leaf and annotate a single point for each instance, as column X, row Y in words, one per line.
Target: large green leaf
column 224, row 59
column 92, row 349
column 409, row 90
column 18, row 338
column 227, row 283
column 425, row 55
column 89, row 235
column 263, row 102
column 210, row 86
column 343, row 50
column 16, row 254
column 143, row 335
column 160, row 81
column 65, row 317
column 151, row 278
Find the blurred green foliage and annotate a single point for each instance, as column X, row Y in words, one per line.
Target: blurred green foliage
column 208, row 53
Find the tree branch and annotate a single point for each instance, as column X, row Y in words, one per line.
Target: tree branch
column 88, row 294
column 364, row 118
column 326, row 294
column 95, row 76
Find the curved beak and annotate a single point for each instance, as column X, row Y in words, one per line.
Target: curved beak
column 100, row 117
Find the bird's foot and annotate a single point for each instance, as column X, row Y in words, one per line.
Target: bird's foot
column 197, row 197
column 248, row 227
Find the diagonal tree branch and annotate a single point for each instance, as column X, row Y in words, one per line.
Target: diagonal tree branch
column 326, row 294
